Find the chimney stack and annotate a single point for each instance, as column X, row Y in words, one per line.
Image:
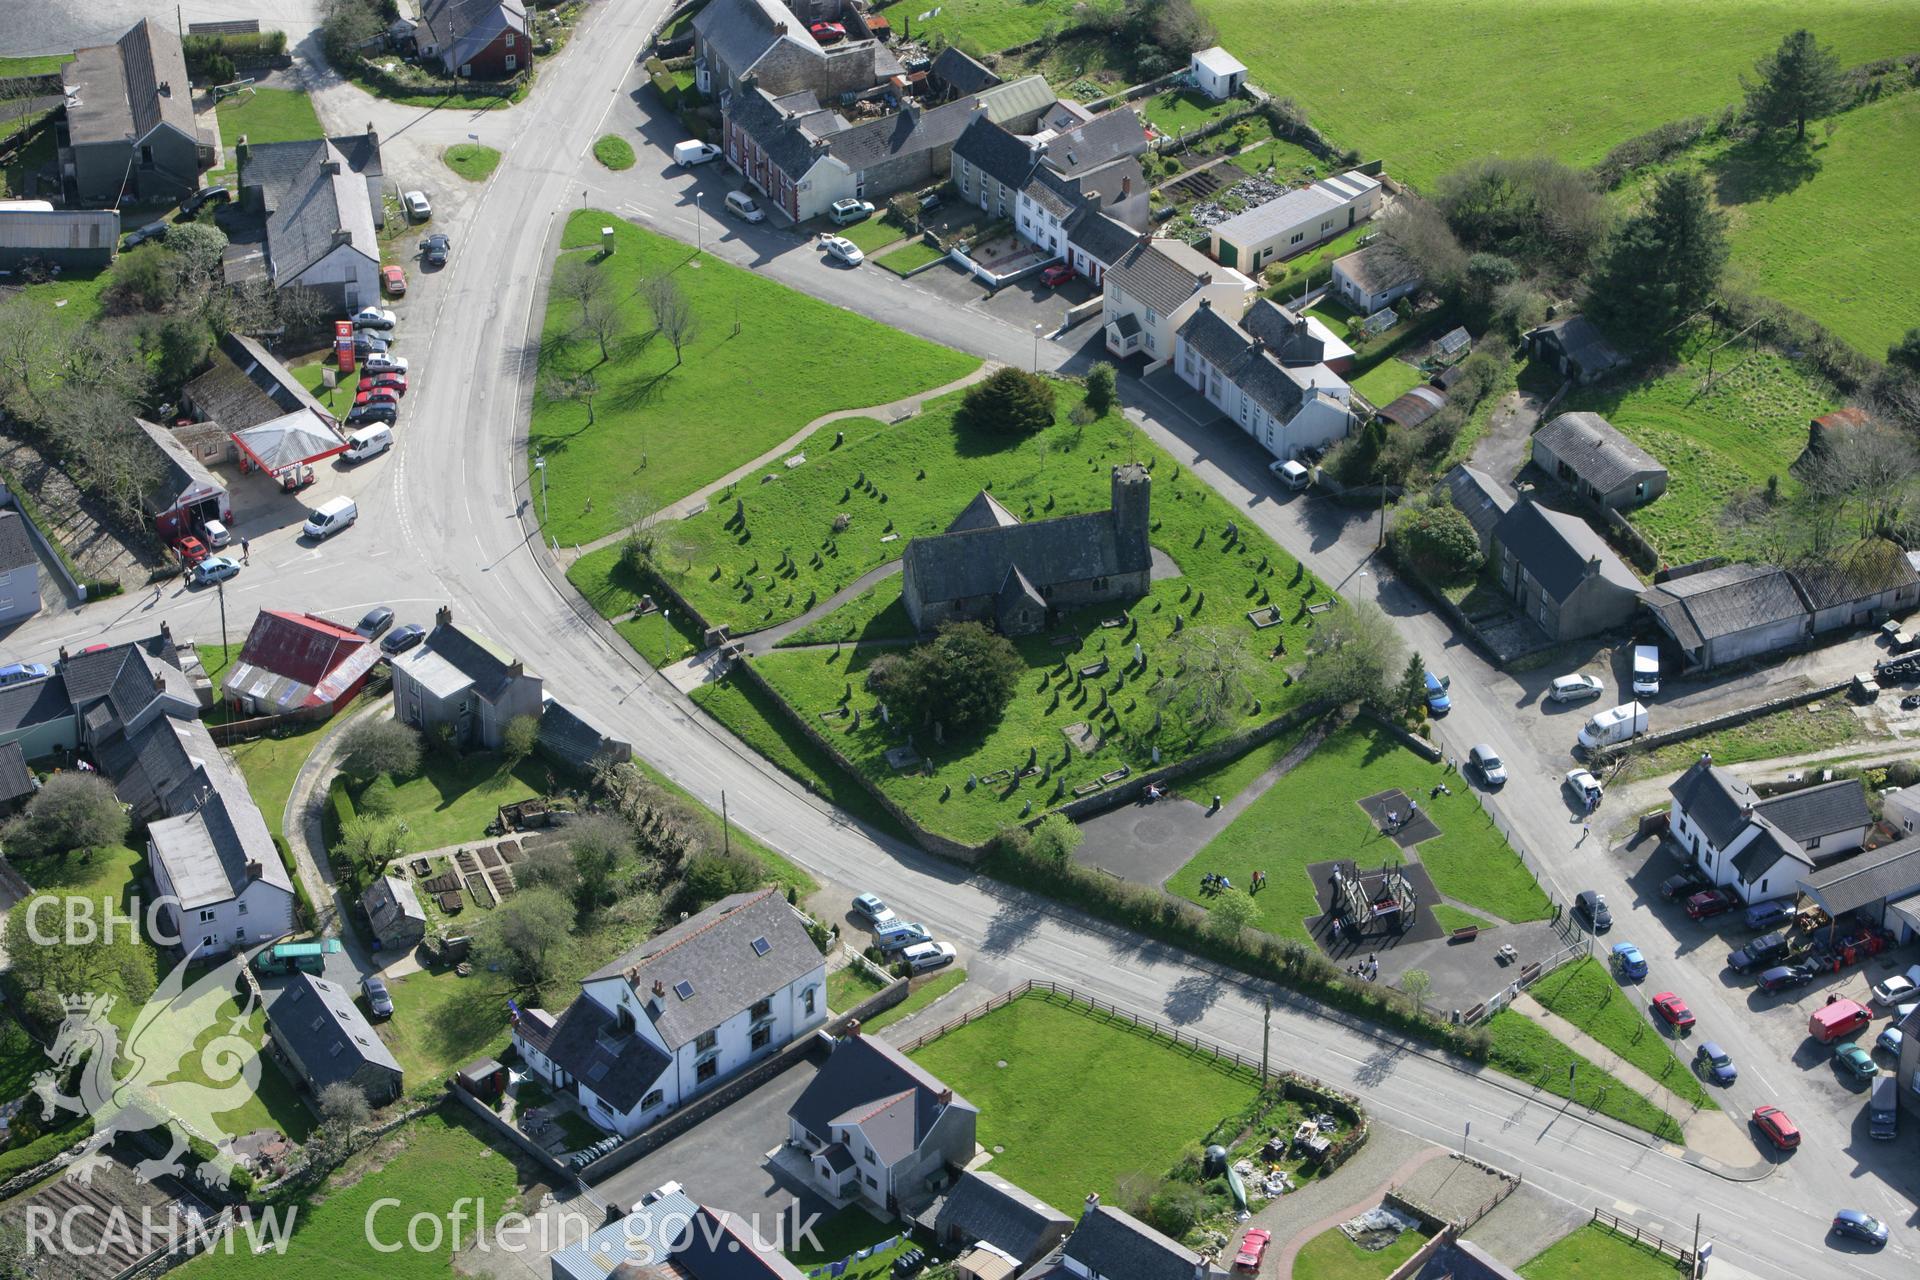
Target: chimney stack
column 254, row 869
column 853, row 1028
column 1126, row 186
column 659, row 987
column 166, row 633
column 1204, row 279
column 944, row 1096
column 159, row 683
column 1593, row 566
column 443, row 616
column 63, row 653
column 1093, row 1202
column 516, row 669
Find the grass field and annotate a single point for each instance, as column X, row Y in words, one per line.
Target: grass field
column 984, row 26
column 752, row 375
column 909, row 257
column 1231, row 777
column 269, row 115
column 1331, row 1256
column 1311, row 815
column 453, row 800
column 44, row 65
column 1068, row 1104
column 442, row 1022
column 1586, row 995
column 471, row 161
column 1594, row 1253
column 1527, row 1051
column 1571, row 79
column 1794, row 732
column 613, row 151
column 437, row 1163
column 1716, row 445
column 876, row 614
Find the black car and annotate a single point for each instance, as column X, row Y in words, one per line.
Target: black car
column 1763, row 950
column 1785, row 977
column 435, row 249
column 375, row 411
column 365, row 343
column 375, row 623
column 1682, row 886
column 205, row 196
column 401, row 639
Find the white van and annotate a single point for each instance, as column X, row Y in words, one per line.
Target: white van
column 331, row 517
column 693, row 151
column 1646, row 669
column 741, row 206
column 369, row 441
column 1614, row 726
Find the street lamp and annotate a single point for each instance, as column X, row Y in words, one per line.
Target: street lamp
column 1037, row 327
column 540, row 465
column 698, row 244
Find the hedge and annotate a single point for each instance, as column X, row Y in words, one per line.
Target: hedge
column 309, row 916
column 43, row 1148
column 340, row 811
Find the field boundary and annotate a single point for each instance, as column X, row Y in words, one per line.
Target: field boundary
column 1619, row 1226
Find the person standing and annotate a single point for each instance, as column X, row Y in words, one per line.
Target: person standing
column 246, row 551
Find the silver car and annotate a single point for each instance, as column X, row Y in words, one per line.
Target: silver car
column 1576, row 688
column 1487, row 764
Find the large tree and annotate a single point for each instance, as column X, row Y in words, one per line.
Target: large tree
column 71, row 813
column 1798, row 82
column 1010, row 402
column 962, row 679
column 1664, row 263
column 56, row 950
column 1210, row 677
column 526, row 935
column 1354, row 655
column 380, row 745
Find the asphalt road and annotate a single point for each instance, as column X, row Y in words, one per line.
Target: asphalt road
column 440, row 521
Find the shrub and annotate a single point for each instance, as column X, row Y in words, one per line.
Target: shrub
column 308, row 916
column 1101, row 384
column 962, row 679
column 712, row 876
column 1055, row 836
column 1010, row 402
column 379, row 745
column 1176, row 1208
column 71, row 813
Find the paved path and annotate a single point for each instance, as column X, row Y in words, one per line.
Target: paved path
column 1283, row 1263
column 766, row 641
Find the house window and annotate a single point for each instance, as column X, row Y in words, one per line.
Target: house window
column 867, row 1155
column 1298, row 236
column 807, row 1000
column 243, row 908
column 1763, row 886
column 653, row 1099
column 206, row 917
column 870, row 1181
column 509, row 39
column 239, row 935
column 707, row 1070
column 1813, row 844
column 1153, row 317
column 762, row 1010
column 1150, row 345
column 760, row 1039
column 707, row 1042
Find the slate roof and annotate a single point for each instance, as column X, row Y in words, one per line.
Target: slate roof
column 1583, row 343
column 776, row 132
column 566, row 735
column 984, row 512
column 1161, row 273
column 1558, row 550
column 1714, row 801
column 868, row 1084
column 1113, row 182
column 462, row 28
column 1862, row 571
column 16, row 780
column 119, row 683
column 1767, row 847
column 207, row 850
column 324, row 1026
column 391, row 904
column 1891, row 871
column 588, row 1043
column 1598, row 453
column 1266, row 381
column 1105, row 138
column 246, row 386
column 1052, row 192
column 960, row 73
column 1813, row 812
column 1001, row 155
column 1478, row 497
column 16, row 544
column 312, row 194
column 123, row 91
column 906, row 133
column 982, row 1206
column 1724, row 601
column 740, row 32
column 277, row 167
column 1018, row 592
column 1108, row 1242
column 1464, row 1260
column 714, row 952
column 180, row 471
column 299, row 660
column 450, row 660
column 1375, row 269
column 1100, row 236
column 34, row 702
column 1286, row 332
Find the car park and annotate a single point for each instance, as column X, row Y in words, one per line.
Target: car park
column 1628, row 960
column 1438, row 701
column 1709, row 902
column 215, row 569
column 1673, row 1011
column 1837, row 1019
column 1593, row 905
column 394, row 279
column 1759, row 953
column 928, row 956
column 15, row 672
column 1487, row 763
column 436, row 249
column 1715, row 1063
column 1056, row 274
column 1780, row 1130
column 1253, row 1247
column 1584, row 786
column 848, row 211
column 374, row 318
column 1890, row 1039
column 1683, row 884
column 375, row 624
column 1855, row 1061
column 1786, row 977
column 1860, row 1226
column 844, row 250
column 1575, row 688
column 378, row 998
column 418, row 207
column 403, row 638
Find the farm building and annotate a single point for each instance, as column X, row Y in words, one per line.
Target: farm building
column 955, row 75
column 1216, row 73
column 1295, row 222
column 298, row 662
column 1266, row 374
column 1560, row 573
column 1724, row 615
column 71, row 239
column 984, row 1208
column 1371, row 278
column 1863, row 584
column 1575, row 346
column 1585, row 453
column 130, row 130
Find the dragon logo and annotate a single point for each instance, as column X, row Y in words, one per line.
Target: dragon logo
column 168, row 1073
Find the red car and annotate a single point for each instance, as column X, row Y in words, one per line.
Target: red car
column 1057, row 274
column 394, row 279
column 392, row 381
column 192, row 550
column 1780, row 1130
column 1710, row 903
column 1253, row 1246
column 379, row 395
column 828, row 32
column 1673, row 1010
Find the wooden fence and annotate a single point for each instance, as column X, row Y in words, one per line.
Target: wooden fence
column 1682, row 1258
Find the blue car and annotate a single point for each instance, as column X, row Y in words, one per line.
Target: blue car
column 14, row 673
column 1715, row 1063
column 1861, row 1226
column 1437, row 700
column 1628, row 960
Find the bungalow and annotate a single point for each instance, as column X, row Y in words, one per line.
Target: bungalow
column 130, row 132
column 323, row 204
column 1265, row 373
column 982, row 1208
column 1866, row 583
column 482, row 38
column 1560, row 573
column 1374, row 277
column 19, row 570
column 1155, row 288
column 180, row 494
column 298, row 662
column 394, row 912
column 1759, row 847
column 1575, row 346
column 1725, row 615
column 459, row 683
column 682, row 1012
column 1295, row 222
column 1108, row 1244
column 1216, row 73
column 1585, row 453
column 326, row 1040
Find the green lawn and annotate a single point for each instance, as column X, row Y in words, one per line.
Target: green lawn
column 44, row 65
column 877, row 614
column 875, row 232
column 271, row 764
column 983, row 26
column 844, row 1233
column 1529, row 1052
column 1387, row 381
column 454, row 799
column 1331, row 1256
column 1067, row 1106
column 910, row 257
column 1586, row 995
column 613, row 151
column 441, row 1022
column 752, row 375
column 1178, row 110
column 471, row 161
column 269, row 115
column 215, row 659
column 614, row 591
column 1570, row 79
column 1715, row 445
column 1229, row 778
column 441, row 1164
column 277, row 1104
column 1793, row 732
column 848, row 986
column 919, row 999
column 1312, row 815
column 29, row 160
column 1594, row 1253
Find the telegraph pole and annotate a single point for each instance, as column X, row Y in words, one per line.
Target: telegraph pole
column 726, row 827
column 220, row 587
column 1266, row 1035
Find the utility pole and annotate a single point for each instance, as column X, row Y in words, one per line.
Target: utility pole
column 1696, row 1244
column 220, row 588
column 1266, row 1035
column 726, row 827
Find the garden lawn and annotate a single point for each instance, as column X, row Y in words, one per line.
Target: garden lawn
column 471, row 161
column 1797, row 731
column 276, row 1104
column 842, row 1234
column 1178, row 110
column 613, row 151
column 441, row 1163
column 1529, row 1052
column 910, row 257
column 1594, row 1253
column 1716, row 446
column 848, row 985
column 451, row 800
column 615, row 591
column 1586, row 995
column 985, row 26
column 875, row 232
column 269, row 115
column 758, row 369
column 1331, row 1256
column 441, row 1022
column 919, row 999
column 1068, row 1106
column 44, row 65
column 1505, row 76
column 1388, row 381
column 271, row 764
column 876, row 614
column 1312, row 815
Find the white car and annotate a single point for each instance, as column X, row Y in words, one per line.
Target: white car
column 374, row 318
column 1898, row 988
column 927, row 956
column 844, row 249
column 849, row 210
column 381, row 362
column 1584, row 785
column 1575, row 688
column 417, row 206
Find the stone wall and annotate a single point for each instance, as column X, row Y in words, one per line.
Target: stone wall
column 1731, row 720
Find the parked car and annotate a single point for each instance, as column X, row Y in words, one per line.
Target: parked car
column 1855, row 1060
column 394, row 278
column 1584, row 786
column 375, row 624
column 1709, row 902
column 1683, row 884
column 1769, row 915
column 929, row 956
column 1593, row 905
column 418, row 207
column 1890, row 1039
column 741, row 206
column 436, row 248
column 374, row 411
column 1628, row 960
column 898, row 935
column 873, row 908
column 1786, row 977
column 1781, row 1131
column 1759, row 953
column 378, row 998
column 660, row 1193
column 1860, row 1226
column 1673, row 1011
column 1055, row 275
column 1492, row 771
column 843, row 249
column 216, row 534
column 191, row 550
column 1575, row 688
column 152, row 231
column 1438, row 703
column 216, row 194
column 1715, row 1063
column 1291, row 473
column 215, row 569
column 389, row 381
column 376, row 395
column 828, row 32
column 1897, row 989
column 15, row 672
column 368, row 343
column 374, row 318
column 403, row 638
column 1253, row 1247
column 381, row 362
column 849, row 210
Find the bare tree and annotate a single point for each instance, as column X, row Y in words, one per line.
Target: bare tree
column 575, row 388
column 1210, row 678
column 300, row 309
column 672, row 313
column 29, row 353
column 1417, row 235
column 122, row 466
column 1867, row 471
column 579, row 282
column 1353, row 655
column 602, row 320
